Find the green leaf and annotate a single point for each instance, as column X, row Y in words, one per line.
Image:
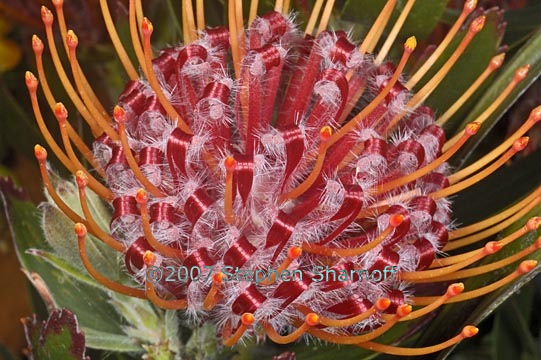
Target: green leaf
column 466, row 70
column 521, row 22
column 57, row 338
column 421, row 21
column 172, row 332
column 511, row 334
column 143, row 321
column 91, row 304
column 527, row 54
column 21, row 133
column 58, row 231
column 111, row 341
column 64, row 266
column 111, row 321
column 487, row 197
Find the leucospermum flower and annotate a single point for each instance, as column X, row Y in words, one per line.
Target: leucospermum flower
column 246, row 147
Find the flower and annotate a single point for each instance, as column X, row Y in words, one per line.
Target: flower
column 289, row 210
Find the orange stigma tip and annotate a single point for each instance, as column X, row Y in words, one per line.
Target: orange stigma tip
column 325, row 133
column 470, row 5
column 522, row 72
column 477, row 24
column 469, row 331
column 521, row 143
column 81, row 178
column 535, row 114
column 247, row 319
column 60, row 112
column 410, row 44
column 527, row 266
column 147, row 26
column 46, row 16
column 149, row 258
column 80, row 230
column 493, row 247
column 312, row 319
column 40, row 153
column 37, row 45
column 218, row 278
column 455, row 289
column 382, row 304
column 141, row 197
column 31, row 80
column 119, row 114
column 72, row 39
column 294, row 252
column 396, row 220
column 533, row 224
column 473, row 128
column 403, row 310
column 230, row 163
column 58, row 3
column 497, row 61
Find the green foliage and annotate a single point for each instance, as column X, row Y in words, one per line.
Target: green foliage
column 528, row 54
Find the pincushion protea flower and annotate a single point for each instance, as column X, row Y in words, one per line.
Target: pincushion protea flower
column 270, row 150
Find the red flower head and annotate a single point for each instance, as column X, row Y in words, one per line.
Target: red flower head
column 290, row 178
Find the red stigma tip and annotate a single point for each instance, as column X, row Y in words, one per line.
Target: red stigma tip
column 230, row 163
column 81, row 178
column 477, row 24
column 403, row 310
column 141, row 197
column 312, row 319
column 119, row 114
column 247, row 319
column 294, row 252
column 521, row 143
column 395, row 220
column 469, row 331
column 382, row 304
column 46, row 16
column 325, row 133
column 497, row 61
column 147, row 26
column 218, row 278
column 521, row 72
column 533, row 224
column 72, row 40
column 40, row 153
column 80, row 230
column 492, row 247
column 527, row 266
column 472, row 128
column 60, row 112
column 37, row 45
column 455, row 289
column 149, row 258
column 31, row 81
